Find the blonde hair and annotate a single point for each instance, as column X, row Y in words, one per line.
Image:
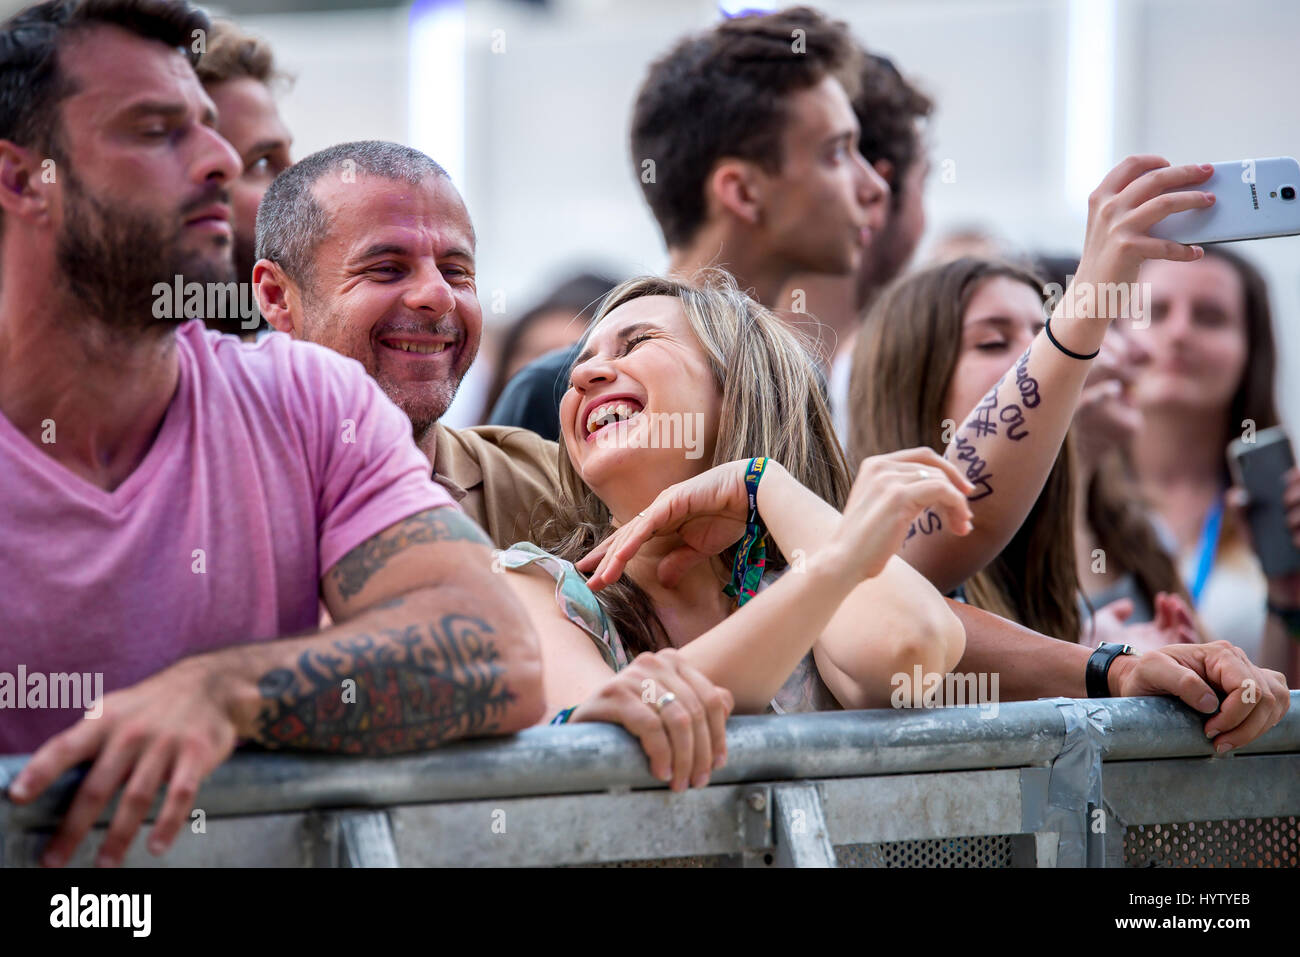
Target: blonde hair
column 773, row 404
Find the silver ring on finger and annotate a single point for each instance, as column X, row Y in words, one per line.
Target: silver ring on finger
column 665, row 700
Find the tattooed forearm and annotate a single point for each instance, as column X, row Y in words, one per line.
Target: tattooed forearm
column 926, row 524
column 435, row 525
column 976, row 468
column 1014, row 418
column 984, row 421
column 409, row 689
column 981, row 420
column 1026, row 383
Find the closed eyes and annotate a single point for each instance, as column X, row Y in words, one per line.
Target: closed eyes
column 634, row 341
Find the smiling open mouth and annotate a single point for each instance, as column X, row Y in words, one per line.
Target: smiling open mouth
column 611, row 413
column 422, row 348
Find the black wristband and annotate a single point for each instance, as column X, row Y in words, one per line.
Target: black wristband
column 1047, row 327
column 1099, row 667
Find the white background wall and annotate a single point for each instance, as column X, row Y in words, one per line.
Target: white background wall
column 551, row 186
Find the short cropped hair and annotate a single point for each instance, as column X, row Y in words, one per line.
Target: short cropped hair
column 722, row 94
column 888, row 110
column 232, row 54
column 290, row 223
column 32, row 83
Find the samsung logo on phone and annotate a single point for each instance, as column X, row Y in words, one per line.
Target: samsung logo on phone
column 1248, row 177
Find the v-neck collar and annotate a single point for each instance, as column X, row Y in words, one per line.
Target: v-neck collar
column 114, row 502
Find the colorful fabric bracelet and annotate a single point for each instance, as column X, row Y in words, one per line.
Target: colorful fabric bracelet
column 751, row 553
column 563, row 716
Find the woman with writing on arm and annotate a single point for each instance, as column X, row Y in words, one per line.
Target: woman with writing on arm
column 1048, row 379
column 941, row 341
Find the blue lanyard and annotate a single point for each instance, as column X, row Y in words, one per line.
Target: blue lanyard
column 1208, row 546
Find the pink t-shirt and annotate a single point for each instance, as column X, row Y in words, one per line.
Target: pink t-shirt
column 273, row 461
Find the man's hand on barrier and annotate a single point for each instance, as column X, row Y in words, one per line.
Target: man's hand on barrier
column 169, row 729
column 1254, row 699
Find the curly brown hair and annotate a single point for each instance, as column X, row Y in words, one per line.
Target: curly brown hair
column 723, row 93
column 232, row 54
column 889, row 108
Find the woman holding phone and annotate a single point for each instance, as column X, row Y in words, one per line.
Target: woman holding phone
column 933, row 344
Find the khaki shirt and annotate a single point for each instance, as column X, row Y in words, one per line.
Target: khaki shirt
column 506, row 479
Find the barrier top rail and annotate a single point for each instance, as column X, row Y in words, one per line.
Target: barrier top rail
column 593, row 757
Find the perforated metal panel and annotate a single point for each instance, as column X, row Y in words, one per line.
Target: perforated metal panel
column 1261, row 842
column 988, row 851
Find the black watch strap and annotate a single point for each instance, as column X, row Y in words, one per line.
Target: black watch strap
column 1099, row 667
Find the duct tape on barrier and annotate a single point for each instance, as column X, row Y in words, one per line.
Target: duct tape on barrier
column 1066, row 798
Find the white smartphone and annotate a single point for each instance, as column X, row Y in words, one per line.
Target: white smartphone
column 1254, row 199
column 1259, row 467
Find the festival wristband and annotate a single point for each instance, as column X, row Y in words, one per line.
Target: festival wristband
column 1047, row 327
column 751, row 553
column 563, row 716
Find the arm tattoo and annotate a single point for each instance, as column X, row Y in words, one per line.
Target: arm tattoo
column 1026, row 383
column 927, row 524
column 975, row 468
column 1014, row 418
column 982, row 422
column 412, row 688
column 435, row 525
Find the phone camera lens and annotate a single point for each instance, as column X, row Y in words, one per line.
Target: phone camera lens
column 1288, row 192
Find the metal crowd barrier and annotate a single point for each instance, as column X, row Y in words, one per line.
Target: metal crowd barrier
column 1054, row 782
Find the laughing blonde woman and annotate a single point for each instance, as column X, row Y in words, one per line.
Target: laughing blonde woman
column 742, row 570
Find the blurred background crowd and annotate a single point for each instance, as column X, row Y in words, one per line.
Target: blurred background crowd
column 527, row 105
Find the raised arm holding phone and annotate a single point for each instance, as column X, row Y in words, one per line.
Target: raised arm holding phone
column 1007, row 445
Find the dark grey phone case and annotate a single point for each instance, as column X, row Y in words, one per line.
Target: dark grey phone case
column 1258, row 467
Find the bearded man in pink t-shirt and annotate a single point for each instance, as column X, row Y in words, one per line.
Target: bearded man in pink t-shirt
column 176, row 500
